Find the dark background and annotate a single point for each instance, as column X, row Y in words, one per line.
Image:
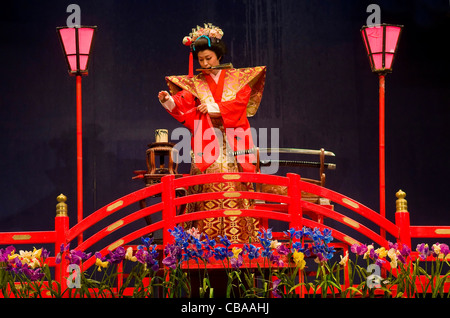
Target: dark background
column 319, row 92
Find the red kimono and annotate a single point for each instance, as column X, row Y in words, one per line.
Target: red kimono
column 237, row 94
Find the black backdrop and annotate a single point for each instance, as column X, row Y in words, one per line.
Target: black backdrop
column 319, row 92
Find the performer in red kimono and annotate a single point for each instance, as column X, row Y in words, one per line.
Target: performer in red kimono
column 214, row 106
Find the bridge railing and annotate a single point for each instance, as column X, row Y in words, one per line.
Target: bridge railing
column 287, row 208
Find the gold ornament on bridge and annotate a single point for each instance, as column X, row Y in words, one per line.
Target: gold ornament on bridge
column 61, row 207
column 401, row 205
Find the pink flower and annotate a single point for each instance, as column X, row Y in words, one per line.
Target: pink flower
column 359, row 249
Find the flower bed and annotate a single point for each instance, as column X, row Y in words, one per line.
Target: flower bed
column 305, row 264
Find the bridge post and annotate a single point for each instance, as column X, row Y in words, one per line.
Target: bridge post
column 295, row 195
column 402, row 218
column 61, row 228
column 169, row 211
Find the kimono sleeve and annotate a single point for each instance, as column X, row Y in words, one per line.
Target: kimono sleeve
column 185, row 110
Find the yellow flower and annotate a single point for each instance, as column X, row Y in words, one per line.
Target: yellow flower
column 236, row 251
column 381, row 252
column 37, row 253
column 299, row 259
column 30, row 258
column 13, row 256
column 101, row 264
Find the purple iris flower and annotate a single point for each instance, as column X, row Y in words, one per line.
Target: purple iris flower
column 359, row 249
column 145, row 257
column 275, row 291
column 424, row 250
column 118, row 255
column 237, row 262
column 380, row 262
column 76, row 256
column 170, row 262
column 405, row 251
column 276, row 260
column 4, row 253
column 445, row 249
column 283, row 250
column 32, row 274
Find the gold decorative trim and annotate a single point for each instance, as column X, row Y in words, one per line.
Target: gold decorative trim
column 442, row 231
column 231, row 176
column 115, row 245
column 232, row 212
column 351, row 203
column 351, row 222
column 114, row 226
column 231, row 194
column 21, row 237
column 114, row 206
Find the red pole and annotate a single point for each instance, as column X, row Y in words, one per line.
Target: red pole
column 79, row 158
column 61, row 229
column 169, row 208
column 402, row 219
column 295, row 207
column 382, row 151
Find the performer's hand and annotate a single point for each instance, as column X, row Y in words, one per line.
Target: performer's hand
column 163, row 96
column 203, row 108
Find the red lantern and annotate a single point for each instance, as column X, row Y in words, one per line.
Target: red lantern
column 381, row 42
column 77, row 45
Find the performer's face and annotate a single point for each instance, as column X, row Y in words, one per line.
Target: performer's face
column 208, row 59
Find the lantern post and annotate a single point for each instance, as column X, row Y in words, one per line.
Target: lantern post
column 381, row 42
column 76, row 43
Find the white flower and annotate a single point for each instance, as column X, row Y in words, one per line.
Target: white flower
column 344, row 259
column 275, row 244
column 129, row 255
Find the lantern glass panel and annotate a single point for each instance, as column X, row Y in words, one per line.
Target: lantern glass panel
column 83, row 62
column 72, row 59
column 375, row 38
column 392, row 34
column 85, row 39
column 377, row 60
column 68, row 40
column 388, row 60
